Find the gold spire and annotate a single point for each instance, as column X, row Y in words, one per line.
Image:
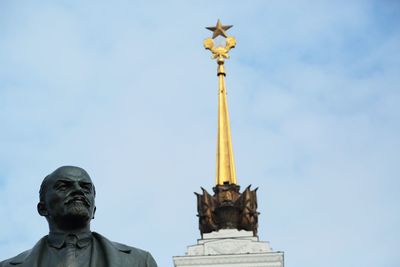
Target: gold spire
column 226, row 173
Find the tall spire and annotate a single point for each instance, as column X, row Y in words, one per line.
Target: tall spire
column 227, row 208
column 226, row 173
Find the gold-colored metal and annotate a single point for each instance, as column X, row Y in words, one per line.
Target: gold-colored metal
column 226, row 173
column 219, row 29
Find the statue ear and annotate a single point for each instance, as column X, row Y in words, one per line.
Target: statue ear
column 41, row 208
column 94, row 211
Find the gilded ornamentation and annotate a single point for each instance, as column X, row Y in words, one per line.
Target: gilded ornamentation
column 227, row 208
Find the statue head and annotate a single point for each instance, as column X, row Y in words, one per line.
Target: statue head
column 67, row 199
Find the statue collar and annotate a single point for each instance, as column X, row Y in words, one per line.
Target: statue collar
column 58, row 239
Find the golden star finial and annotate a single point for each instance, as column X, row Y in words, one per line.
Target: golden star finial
column 219, row 29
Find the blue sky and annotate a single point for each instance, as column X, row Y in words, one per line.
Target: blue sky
column 126, row 90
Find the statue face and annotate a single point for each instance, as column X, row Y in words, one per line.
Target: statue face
column 69, row 198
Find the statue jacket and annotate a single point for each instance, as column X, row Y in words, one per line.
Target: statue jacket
column 116, row 255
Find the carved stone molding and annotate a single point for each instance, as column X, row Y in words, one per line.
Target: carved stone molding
column 269, row 259
column 230, row 248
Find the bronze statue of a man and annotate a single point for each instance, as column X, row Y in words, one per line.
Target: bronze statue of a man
column 67, row 202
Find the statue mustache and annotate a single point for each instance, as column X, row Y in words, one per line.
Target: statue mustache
column 74, row 198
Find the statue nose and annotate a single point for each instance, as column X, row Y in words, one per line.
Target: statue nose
column 76, row 188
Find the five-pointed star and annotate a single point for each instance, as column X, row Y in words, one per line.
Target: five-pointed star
column 219, row 29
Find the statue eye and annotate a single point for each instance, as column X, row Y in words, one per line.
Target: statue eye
column 61, row 187
column 87, row 187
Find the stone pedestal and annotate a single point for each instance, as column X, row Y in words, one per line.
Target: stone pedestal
column 230, row 247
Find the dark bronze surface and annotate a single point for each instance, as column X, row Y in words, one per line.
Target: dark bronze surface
column 67, row 201
column 227, row 209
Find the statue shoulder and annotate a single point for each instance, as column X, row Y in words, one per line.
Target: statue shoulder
column 22, row 257
column 16, row 260
column 132, row 254
column 138, row 255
